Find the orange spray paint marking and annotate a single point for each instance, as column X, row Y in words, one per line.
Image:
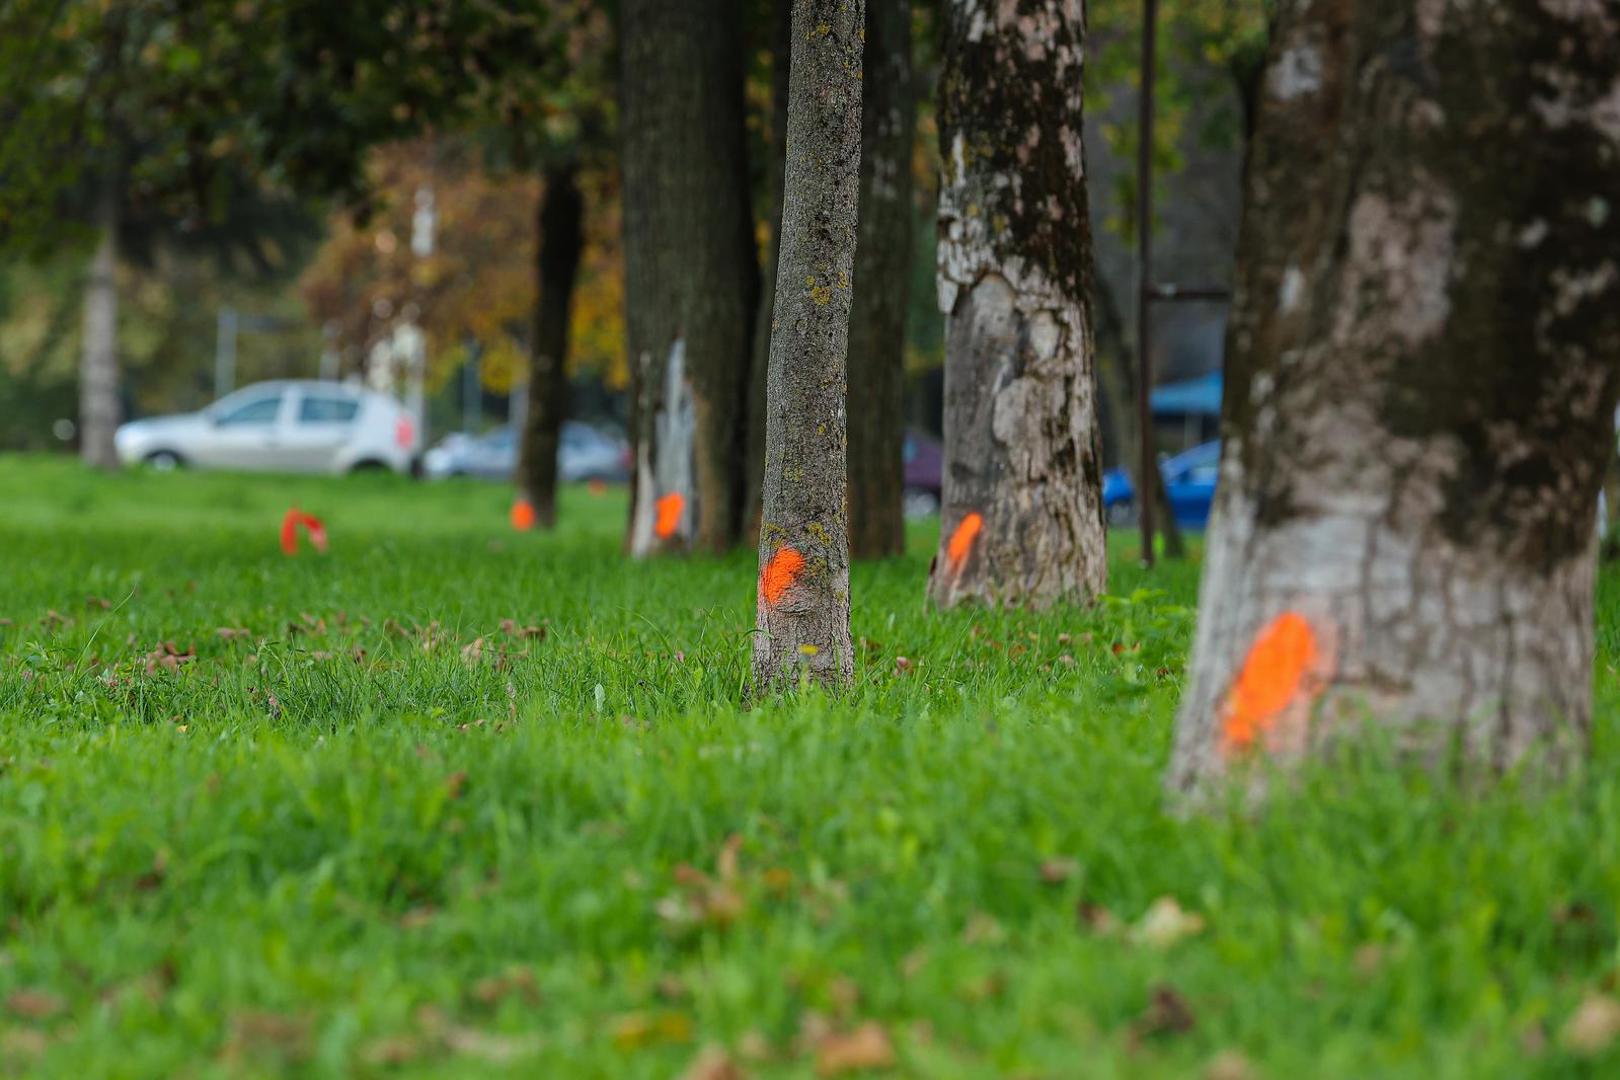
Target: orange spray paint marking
column 522, row 515
column 290, row 524
column 962, row 539
column 780, row 572
column 1272, row 676
column 669, row 508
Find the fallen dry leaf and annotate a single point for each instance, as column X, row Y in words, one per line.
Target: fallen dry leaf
column 1057, row 871
column 1592, row 1027
column 1167, row 1013
column 1229, row 1065
column 636, row 1030
column 1165, row 923
column 867, row 1047
column 34, row 1004
column 713, row 1063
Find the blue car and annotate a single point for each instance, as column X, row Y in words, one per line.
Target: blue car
column 1189, row 480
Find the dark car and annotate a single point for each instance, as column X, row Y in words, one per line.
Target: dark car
column 1189, row 480
column 924, row 463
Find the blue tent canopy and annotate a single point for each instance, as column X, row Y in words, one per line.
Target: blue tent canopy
column 1192, row 397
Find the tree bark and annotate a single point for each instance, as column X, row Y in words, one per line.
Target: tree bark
column 803, row 599
column 1421, row 383
column 1022, row 520
column 759, row 357
column 877, row 318
column 98, row 359
column 562, row 239
column 691, row 269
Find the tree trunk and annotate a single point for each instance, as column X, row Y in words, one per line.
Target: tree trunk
column 1022, row 521
column 691, row 269
column 877, row 318
column 759, row 357
column 562, row 239
column 1421, row 383
column 98, row 359
column 803, row 604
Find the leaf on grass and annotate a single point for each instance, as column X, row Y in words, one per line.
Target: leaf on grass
column 1593, row 1026
column 1229, row 1065
column 1165, row 923
column 713, row 1063
column 638, row 1030
column 1097, row 918
column 231, row 633
column 34, row 1004
column 1167, row 1013
column 866, row 1047
column 1057, row 871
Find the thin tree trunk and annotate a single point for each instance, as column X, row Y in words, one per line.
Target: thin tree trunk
column 759, row 358
column 1420, row 391
column 1022, row 520
column 562, row 239
column 1116, row 379
column 691, row 269
column 98, row 363
column 803, row 605
column 877, row 319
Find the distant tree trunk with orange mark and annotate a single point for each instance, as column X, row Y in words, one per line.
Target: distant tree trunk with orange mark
column 877, row 318
column 1022, row 442
column 803, row 595
column 1421, row 382
column 562, row 239
column 691, row 265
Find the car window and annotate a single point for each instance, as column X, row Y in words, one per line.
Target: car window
column 259, row 411
column 327, row 409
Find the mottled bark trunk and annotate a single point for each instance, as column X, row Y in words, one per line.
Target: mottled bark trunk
column 562, row 239
column 877, row 318
column 1022, row 520
column 98, row 357
column 759, row 358
column 803, row 605
column 1420, row 391
column 691, row 267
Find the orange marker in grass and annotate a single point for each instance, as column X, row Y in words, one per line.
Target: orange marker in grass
column 1272, row 677
column 522, row 515
column 292, row 521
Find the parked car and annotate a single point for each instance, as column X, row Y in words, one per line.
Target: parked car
column 301, row 425
column 1189, row 480
column 583, row 453
column 923, row 460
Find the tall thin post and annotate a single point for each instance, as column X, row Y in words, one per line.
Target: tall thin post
column 225, row 351
column 1144, row 278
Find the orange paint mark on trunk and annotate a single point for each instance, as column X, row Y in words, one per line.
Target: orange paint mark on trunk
column 522, row 515
column 669, row 508
column 292, row 521
column 779, row 574
column 1271, row 679
column 962, row 539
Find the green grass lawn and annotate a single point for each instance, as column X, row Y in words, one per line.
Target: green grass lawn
column 456, row 801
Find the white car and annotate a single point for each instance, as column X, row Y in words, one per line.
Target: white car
column 300, row 425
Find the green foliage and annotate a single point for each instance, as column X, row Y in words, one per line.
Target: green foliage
column 1208, row 53
column 377, row 830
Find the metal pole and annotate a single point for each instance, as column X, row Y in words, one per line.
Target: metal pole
column 472, row 394
column 1146, row 489
column 225, row 352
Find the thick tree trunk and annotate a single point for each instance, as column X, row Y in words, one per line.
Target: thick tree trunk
column 759, row 358
column 1420, row 391
column 98, row 358
column 1022, row 516
column 877, row 319
column 803, row 604
column 691, row 268
column 562, row 239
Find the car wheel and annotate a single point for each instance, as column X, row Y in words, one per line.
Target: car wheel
column 370, row 466
column 163, row 461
